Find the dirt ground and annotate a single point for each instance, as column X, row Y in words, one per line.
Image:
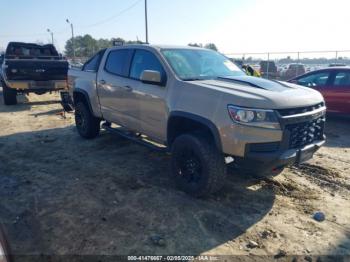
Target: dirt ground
column 60, row 194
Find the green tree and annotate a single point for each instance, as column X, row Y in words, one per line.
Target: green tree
column 84, row 46
column 134, row 42
column 103, row 43
column 211, row 46
column 195, row 45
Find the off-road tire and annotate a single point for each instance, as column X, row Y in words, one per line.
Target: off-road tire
column 211, row 177
column 87, row 124
column 10, row 95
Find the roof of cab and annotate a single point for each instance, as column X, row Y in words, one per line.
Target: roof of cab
column 158, row 47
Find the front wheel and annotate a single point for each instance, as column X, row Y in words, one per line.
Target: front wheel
column 198, row 168
column 87, row 124
column 10, row 95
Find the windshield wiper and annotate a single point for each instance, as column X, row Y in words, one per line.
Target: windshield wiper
column 198, row 78
column 193, row 79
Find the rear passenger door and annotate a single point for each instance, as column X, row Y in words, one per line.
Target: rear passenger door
column 338, row 92
column 117, row 99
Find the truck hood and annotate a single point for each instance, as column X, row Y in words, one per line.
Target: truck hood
column 257, row 92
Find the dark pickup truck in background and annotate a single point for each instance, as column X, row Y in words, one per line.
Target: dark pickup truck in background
column 1, row 60
column 31, row 68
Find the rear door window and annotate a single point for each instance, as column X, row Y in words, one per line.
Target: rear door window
column 314, row 80
column 118, row 62
column 342, row 79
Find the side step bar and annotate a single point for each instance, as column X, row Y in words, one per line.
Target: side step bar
column 138, row 139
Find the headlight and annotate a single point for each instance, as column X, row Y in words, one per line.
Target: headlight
column 254, row 117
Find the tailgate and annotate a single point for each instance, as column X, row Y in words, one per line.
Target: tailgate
column 34, row 69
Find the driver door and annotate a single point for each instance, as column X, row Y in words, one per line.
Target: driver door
column 150, row 98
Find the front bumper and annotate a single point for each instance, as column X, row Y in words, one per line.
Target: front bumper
column 268, row 161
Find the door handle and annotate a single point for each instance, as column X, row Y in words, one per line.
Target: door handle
column 102, row 82
column 128, row 88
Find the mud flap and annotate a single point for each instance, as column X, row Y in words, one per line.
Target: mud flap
column 66, row 101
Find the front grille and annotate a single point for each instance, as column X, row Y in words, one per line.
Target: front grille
column 299, row 110
column 302, row 134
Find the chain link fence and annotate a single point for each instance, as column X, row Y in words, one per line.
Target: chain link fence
column 287, row 65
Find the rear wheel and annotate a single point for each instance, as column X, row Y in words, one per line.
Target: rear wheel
column 9, row 94
column 87, row 124
column 198, row 168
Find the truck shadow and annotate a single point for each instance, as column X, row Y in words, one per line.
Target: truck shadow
column 58, row 111
column 24, row 103
column 62, row 194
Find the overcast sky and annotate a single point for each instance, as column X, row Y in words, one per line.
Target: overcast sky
column 233, row 25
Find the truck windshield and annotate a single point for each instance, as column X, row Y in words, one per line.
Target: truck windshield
column 193, row 64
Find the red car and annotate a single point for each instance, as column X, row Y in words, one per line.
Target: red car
column 333, row 83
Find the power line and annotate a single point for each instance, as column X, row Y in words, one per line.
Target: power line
column 114, row 16
column 41, row 34
column 87, row 26
column 37, row 34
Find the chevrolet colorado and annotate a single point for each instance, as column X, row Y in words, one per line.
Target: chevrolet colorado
column 199, row 106
column 31, row 68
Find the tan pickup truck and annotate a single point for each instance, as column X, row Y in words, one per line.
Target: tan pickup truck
column 202, row 108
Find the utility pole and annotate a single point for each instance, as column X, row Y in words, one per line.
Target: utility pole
column 268, row 65
column 48, row 30
column 73, row 46
column 146, row 21
column 297, row 71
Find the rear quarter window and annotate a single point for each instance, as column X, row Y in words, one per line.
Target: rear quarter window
column 93, row 63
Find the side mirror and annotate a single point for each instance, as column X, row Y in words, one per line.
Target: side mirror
column 151, row 77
